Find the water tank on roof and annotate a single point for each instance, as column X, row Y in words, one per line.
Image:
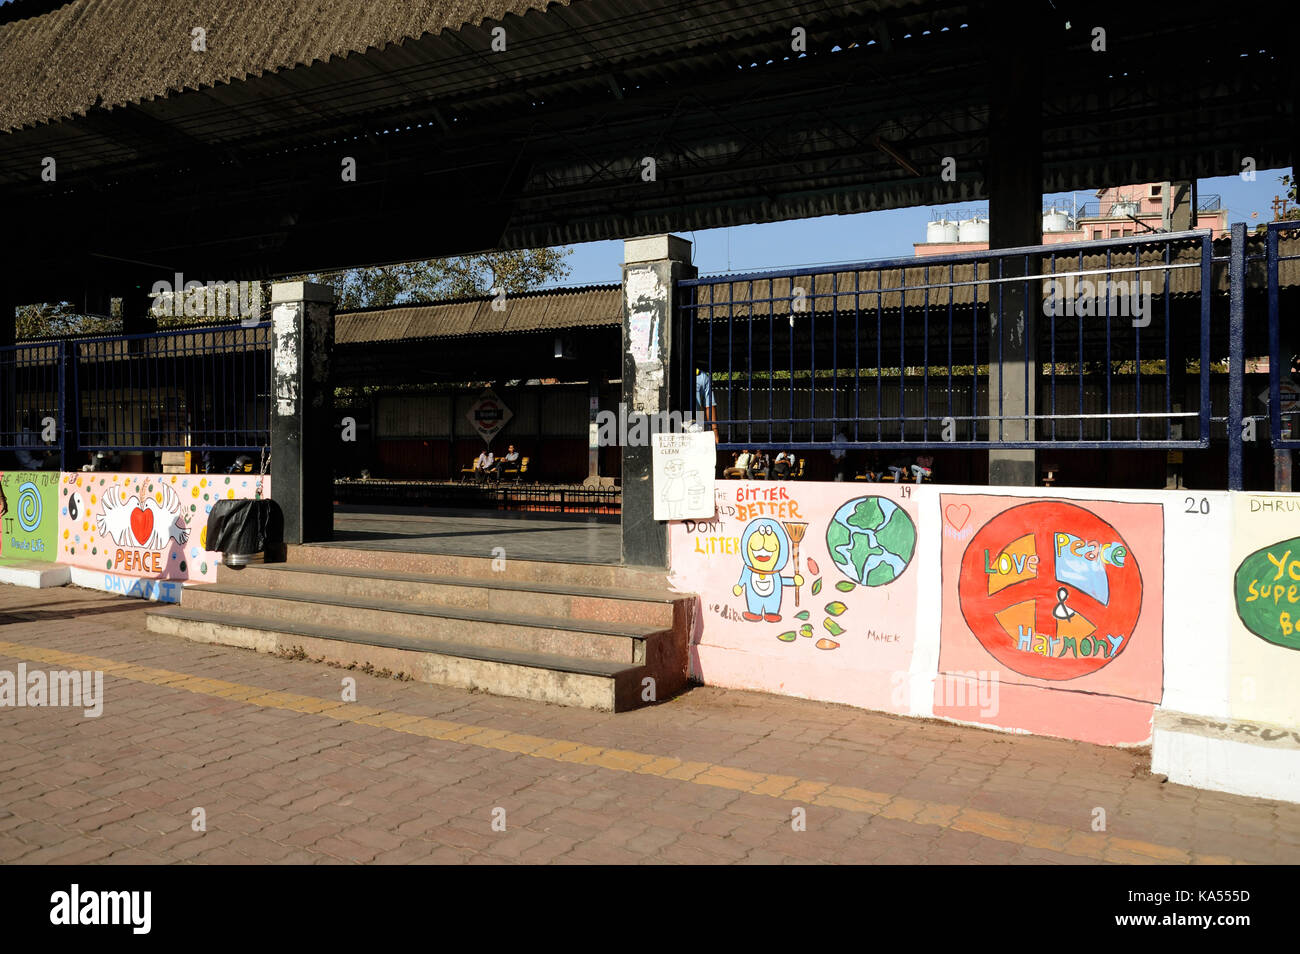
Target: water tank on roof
column 973, row 230
column 1055, row 220
column 941, row 231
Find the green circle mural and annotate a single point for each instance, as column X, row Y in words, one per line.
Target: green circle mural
column 871, row 540
column 1267, row 592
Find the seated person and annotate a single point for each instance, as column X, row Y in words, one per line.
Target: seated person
column 741, row 467
column 483, row 466
column 782, row 466
column 759, row 467
column 38, row 457
column 511, row 459
column 923, row 467
column 899, row 468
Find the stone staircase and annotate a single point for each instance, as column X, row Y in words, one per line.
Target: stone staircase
column 572, row 634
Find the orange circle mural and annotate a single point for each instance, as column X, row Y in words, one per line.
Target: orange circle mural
column 1051, row 590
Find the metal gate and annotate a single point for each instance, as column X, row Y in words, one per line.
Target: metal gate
column 32, row 402
column 1283, row 390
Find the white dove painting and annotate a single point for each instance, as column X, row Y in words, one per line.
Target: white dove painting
column 151, row 524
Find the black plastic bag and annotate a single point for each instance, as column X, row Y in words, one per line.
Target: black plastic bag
column 240, row 529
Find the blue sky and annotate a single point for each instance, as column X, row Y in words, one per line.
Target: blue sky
column 867, row 236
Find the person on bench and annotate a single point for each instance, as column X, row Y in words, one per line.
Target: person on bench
column 741, row 467
column 483, row 466
column 509, row 461
column 783, row 464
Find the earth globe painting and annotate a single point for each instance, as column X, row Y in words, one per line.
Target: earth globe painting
column 871, row 540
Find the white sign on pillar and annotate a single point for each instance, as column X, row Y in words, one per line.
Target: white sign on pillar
column 682, row 471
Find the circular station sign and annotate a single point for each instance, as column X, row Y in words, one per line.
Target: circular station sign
column 1051, row 590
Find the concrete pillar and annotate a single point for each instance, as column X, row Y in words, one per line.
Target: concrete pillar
column 651, row 268
column 303, row 438
column 137, row 316
column 8, row 382
column 593, row 433
column 1182, row 206
column 1013, row 179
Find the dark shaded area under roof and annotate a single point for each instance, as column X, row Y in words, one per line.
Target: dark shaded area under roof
column 459, row 149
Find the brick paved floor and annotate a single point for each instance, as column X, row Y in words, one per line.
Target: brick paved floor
column 286, row 772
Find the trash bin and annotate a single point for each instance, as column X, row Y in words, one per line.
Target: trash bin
column 243, row 531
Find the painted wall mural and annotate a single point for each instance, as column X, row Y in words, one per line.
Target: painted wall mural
column 805, row 590
column 31, row 524
column 1265, row 641
column 1045, row 599
column 151, row 527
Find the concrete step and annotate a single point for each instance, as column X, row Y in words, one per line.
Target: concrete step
column 544, row 677
column 1244, row 757
column 524, row 631
column 604, row 604
column 641, row 579
column 36, row 574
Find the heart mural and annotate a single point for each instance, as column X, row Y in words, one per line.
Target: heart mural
column 957, row 515
column 142, row 524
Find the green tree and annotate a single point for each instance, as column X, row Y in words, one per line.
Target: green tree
column 467, row 276
column 1293, row 212
column 44, row 319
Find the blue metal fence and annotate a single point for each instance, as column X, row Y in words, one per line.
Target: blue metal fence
column 1284, row 362
column 906, row 353
column 31, row 402
column 191, row 389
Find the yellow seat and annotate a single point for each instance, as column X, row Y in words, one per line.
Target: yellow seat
column 518, row 472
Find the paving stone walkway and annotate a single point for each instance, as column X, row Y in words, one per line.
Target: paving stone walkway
column 284, row 770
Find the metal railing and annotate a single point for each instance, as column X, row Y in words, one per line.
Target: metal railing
column 906, row 353
column 188, row 389
column 537, row 498
column 1283, row 363
column 31, row 401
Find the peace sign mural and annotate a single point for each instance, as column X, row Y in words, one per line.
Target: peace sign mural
column 1050, row 590
column 1058, row 603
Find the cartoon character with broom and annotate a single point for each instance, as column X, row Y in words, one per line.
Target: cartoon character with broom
column 765, row 548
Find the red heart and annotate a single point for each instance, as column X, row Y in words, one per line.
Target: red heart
column 142, row 524
column 954, row 511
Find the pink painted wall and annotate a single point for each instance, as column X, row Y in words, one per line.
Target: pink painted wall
column 853, row 626
column 1060, row 604
column 1058, row 629
column 146, row 525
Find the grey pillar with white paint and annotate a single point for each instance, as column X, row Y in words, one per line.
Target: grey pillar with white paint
column 1014, row 179
column 303, row 435
column 652, row 267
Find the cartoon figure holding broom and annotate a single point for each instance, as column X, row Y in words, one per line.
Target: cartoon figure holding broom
column 765, row 548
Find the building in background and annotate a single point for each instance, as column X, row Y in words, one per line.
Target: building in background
column 1141, row 209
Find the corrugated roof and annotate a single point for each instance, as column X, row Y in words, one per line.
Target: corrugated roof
column 852, row 287
column 64, row 61
column 588, row 307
